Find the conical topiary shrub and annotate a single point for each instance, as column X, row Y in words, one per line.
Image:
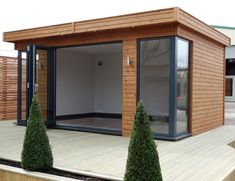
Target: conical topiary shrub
column 36, row 154
column 143, row 161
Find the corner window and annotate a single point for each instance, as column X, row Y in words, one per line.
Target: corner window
column 182, row 59
column 154, row 82
column 163, row 72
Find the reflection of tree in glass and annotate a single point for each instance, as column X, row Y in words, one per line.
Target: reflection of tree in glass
column 182, row 88
column 182, row 75
column 182, row 54
column 182, row 62
column 154, row 49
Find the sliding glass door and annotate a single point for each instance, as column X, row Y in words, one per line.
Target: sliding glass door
column 163, row 84
column 40, row 72
column 22, row 88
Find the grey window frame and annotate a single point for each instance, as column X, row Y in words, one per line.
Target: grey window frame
column 172, row 132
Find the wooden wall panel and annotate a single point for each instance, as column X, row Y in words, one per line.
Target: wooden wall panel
column 207, row 91
column 42, row 82
column 56, row 30
column 8, row 88
column 129, row 85
column 228, row 87
column 23, row 90
column 99, row 37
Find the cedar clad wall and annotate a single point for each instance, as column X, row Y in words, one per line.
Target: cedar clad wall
column 129, row 86
column 207, row 91
column 42, row 82
column 207, row 73
column 8, row 88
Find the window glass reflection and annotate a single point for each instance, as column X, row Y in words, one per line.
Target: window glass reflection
column 154, row 82
column 182, row 85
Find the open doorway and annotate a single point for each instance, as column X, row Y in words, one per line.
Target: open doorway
column 89, row 88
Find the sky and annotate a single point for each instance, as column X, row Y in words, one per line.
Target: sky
column 22, row 14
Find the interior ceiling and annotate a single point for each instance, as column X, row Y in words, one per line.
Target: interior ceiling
column 97, row 49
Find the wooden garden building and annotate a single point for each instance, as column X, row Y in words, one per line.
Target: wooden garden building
column 90, row 74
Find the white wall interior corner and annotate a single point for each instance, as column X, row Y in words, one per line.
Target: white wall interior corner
column 83, row 86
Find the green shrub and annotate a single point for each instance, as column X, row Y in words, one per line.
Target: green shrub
column 36, row 154
column 143, row 161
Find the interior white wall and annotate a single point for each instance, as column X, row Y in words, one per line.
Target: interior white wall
column 108, row 83
column 85, row 87
column 74, row 83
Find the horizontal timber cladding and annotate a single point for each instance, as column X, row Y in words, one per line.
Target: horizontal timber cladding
column 129, row 83
column 99, row 37
column 157, row 17
column 193, row 23
column 42, row 82
column 8, row 88
column 207, row 81
column 117, row 22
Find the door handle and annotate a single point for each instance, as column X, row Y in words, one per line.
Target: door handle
column 36, row 87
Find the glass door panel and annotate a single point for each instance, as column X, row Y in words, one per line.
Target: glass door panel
column 230, row 88
column 21, row 88
column 230, row 80
column 41, row 80
column 154, row 82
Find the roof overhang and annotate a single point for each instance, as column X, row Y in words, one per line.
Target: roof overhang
column 163, row 16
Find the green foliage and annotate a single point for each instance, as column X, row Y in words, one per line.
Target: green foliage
column 143, row 161
column 36, row 154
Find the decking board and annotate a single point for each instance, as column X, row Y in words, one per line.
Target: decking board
column 203, row 157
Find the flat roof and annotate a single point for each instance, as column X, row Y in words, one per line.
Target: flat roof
column 162, row 16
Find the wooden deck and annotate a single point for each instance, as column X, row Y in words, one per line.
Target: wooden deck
column 203, row 157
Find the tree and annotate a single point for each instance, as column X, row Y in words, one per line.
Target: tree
column 143, row 161
column 36, row 154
